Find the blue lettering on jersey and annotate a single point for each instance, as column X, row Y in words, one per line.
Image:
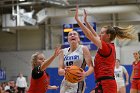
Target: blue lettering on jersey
column 71, row 58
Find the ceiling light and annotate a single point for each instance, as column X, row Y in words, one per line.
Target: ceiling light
column 21, row 0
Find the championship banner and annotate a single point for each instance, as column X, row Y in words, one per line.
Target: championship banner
column 2, row 74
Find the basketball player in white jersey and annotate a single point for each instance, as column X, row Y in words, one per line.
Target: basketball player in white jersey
column 78, row 55
column 120, row 71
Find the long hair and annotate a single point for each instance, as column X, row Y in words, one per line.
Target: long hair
column 120, row 32
column 34, row 58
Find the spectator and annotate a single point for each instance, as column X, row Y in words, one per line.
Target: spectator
column 21, row 83
column 8, row 91
column 7, row 87
column 1, row 89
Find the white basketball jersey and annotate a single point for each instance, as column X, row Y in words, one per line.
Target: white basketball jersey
column 74, row 58
column 119, row 72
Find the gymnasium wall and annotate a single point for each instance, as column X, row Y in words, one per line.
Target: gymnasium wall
column 15, row 62
column 29, row 42
column 90, row 81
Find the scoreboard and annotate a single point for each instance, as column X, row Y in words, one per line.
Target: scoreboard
column 84, row 40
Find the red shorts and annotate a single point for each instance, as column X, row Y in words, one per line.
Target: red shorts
column 107, row 86
column 135, row 84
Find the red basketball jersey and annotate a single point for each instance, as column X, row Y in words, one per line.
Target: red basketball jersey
column 136, row 69
column 105, row 60
column 39, row 85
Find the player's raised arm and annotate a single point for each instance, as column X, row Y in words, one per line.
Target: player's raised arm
column 49, row 61
column 61, row 70
column 91, row 36
column 88, row 24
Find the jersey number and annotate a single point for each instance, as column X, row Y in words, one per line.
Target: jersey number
column 69, row 63
column 117, row 75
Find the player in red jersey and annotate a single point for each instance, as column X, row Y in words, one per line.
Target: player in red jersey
column 40, row 79
column 104, row 62
column 135, row 77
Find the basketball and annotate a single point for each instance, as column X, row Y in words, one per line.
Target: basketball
column 71, row 73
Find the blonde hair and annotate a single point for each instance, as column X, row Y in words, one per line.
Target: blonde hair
column 120, row 32
column 34, row 58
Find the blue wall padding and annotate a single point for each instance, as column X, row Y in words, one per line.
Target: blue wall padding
column 55, row 79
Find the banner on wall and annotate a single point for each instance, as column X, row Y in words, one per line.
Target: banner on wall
column 2, row 74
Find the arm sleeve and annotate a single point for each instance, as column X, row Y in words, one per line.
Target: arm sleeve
column 106, row 49
column 37, row 73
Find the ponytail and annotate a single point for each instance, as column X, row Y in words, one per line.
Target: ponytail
column 124, row 33
column 119, row 32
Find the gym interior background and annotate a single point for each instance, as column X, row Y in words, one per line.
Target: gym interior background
column 27, row 26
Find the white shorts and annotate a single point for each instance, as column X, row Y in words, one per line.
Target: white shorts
column 67, row 87
column 120, row 83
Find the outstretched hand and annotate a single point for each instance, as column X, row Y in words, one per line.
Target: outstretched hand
column 57, row 51
column 85, row 15
column 76, row 13
column 81, row 75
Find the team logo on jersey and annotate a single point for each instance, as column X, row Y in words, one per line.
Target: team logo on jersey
column 71, row 58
